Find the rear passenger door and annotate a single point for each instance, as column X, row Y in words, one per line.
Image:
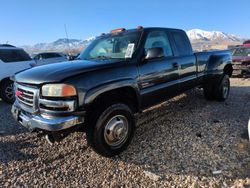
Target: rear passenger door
column 158, row 77
column 185, row 59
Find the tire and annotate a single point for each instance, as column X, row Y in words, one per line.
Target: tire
column 110, row 130
column 218, row 90
column 7, row 91
column 222, row 89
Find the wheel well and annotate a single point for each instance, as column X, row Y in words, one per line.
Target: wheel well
column 3, row 80
column 126, row 95
column 228, row 69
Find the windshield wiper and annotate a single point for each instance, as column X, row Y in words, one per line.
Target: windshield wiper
column 103, row 57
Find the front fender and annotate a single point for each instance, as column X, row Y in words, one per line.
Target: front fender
column 93, row 93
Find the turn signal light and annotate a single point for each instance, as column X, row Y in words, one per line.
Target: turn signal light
column 58, row 90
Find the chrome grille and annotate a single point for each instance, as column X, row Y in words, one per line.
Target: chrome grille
column 27, row 97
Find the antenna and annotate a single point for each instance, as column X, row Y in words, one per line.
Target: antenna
column 65, row 28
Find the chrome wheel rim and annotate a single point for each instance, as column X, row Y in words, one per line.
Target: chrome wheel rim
column 9, row 91
column 116, row 131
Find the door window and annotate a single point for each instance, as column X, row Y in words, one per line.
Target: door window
column 159, row 39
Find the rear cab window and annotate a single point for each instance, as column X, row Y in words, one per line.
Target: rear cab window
column 13, row 55
column 182, row 44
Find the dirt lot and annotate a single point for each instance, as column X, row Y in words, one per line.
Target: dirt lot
column 185, row 142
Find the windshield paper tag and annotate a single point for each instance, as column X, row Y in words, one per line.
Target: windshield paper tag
column 130, row 50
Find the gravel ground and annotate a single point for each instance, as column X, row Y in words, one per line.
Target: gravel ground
column 185, row 142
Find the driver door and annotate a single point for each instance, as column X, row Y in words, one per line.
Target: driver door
column 159, row 76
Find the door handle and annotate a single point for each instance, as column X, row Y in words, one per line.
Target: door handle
column 175, row 65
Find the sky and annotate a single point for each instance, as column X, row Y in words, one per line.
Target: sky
column 27, row 22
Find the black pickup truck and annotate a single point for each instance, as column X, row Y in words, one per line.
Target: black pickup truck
column 118, row 75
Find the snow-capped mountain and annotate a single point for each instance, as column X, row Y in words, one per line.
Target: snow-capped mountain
column 62, row 44
column 200, row 39
column 216, row 36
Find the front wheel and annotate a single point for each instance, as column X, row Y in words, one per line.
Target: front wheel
column 110, row 131
column 7, row 91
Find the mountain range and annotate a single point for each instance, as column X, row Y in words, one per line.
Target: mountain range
column 200, row 39
column 207, row 40
column 218, row 36
column 62, row 45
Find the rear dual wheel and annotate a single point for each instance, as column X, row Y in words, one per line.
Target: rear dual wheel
column 218, row 90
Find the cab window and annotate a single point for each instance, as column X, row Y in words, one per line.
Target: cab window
column 159, row 39
column 182, row 43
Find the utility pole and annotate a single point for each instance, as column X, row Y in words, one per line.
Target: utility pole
column 65, row 28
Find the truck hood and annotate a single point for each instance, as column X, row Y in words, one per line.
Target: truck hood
column 241, row 58
column 59, row 71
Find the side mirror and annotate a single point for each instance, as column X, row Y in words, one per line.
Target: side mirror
column 154, row 53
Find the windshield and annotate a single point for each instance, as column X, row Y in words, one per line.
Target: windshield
column 241, row 52
column 115, row 46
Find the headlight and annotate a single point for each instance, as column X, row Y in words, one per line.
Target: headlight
column 58, row 90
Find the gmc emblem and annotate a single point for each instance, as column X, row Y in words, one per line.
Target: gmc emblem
column 18, row 93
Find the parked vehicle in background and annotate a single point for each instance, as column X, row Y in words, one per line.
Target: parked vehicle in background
column 12, row 60
column 246, row 43
column 73, row 56
column 241, row 60
column 49, row 57
column 118, row 75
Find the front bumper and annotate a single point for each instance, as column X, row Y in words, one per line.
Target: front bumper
column 42, row 122
column 241, row 68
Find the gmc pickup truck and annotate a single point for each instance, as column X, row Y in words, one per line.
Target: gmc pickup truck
column 117, row 76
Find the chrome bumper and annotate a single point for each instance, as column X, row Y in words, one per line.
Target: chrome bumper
column 38, row 121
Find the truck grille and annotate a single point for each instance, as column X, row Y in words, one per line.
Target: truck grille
column 27, row 97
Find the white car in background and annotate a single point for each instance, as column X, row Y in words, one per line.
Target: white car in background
column 12, row 60
column 49, row 57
